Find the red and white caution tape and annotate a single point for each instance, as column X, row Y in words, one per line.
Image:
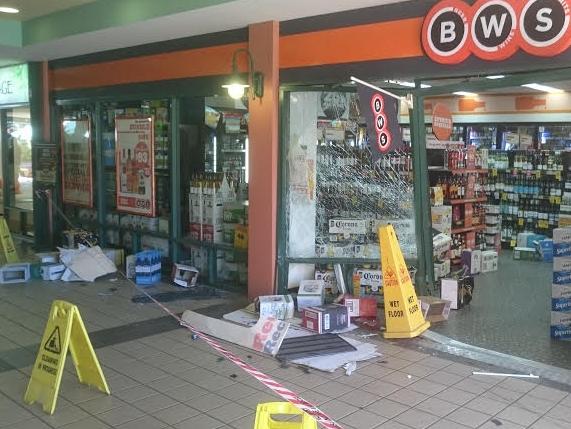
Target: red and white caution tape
column 322, row 419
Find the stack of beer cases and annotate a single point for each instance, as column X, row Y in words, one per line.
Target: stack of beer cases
column 561, row 287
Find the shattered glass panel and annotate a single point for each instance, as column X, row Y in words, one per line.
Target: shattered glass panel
column 337, row 196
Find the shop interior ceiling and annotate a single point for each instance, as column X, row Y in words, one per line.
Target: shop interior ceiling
column 50, row 40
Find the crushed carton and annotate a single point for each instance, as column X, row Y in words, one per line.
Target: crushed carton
column 184, row 275
column 280, row 307
column 15, row 273
column 326, row 318
column 311, row 293
column 52, row 271
column 364, row 306
column 434, row 309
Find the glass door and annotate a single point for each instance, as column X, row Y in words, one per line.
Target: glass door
column 17, row 174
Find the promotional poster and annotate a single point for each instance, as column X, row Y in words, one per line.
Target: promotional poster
column 76, row 163
column 134, row 159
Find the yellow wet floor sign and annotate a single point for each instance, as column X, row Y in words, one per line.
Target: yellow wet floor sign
column 8, row 249
column 64, row 331
column 402, row 311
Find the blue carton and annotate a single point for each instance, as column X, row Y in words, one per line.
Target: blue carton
column 561, row 298
column 545, row 248
column 148, row 267
column 533, row 238
column 561, row 325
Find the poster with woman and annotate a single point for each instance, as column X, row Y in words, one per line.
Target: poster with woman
column 134, row 160
column 77, row 179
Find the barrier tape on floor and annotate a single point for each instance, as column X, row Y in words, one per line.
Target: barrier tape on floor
column 322, row 419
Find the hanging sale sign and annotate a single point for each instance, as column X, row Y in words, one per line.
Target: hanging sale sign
column 135, row 165
column 494, row 30
column 77, row 179
column 381, row 115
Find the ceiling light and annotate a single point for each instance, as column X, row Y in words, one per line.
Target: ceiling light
column 465, row 94
column 5, row 9
column 408, row 84
column 495, row 76
column 543, row 88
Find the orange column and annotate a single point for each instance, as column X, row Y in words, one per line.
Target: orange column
column 263, row 183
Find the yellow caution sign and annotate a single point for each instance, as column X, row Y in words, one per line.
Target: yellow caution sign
column 402, row 310
column 64, row 331
column 7, row 243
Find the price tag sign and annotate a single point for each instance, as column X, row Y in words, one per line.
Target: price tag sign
column 558, row 175
column 494, row 172
column 520, row 222
column 512, row 243
column 557, row 200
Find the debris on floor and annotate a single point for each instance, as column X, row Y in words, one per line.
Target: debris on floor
column 265, row 336
column 196, row 293
column 312, row 346
column 85, row 264
column 184, row 275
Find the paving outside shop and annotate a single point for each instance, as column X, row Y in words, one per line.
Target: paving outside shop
column 226, row 206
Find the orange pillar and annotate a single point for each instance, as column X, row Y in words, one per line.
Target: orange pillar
column 263, row 181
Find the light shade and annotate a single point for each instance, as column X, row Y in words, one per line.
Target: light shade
column 236, row 90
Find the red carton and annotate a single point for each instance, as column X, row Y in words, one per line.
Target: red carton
column 361, row 307
column 325, row 318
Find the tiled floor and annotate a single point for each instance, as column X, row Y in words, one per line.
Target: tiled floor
column 167, row 380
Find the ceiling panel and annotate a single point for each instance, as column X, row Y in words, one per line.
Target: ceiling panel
column 33, row 8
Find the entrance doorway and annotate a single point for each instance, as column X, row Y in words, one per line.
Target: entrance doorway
column 16, row 202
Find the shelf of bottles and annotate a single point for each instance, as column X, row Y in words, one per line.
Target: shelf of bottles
column 130, row 231
column 528, row 187
column 462, row 180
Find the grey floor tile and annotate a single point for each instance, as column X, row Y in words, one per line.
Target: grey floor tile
column 443, row 377
column 88, row 423
column 337, row 409
column 146, row 422
column 166, row 383
column 427, row 387
column 333, row 389
column 436, row 406
column 472, row 386
column 209, row 402
column 65, row 416
column 549, row 423
column 518, row 415
column 175, row 414
column 381, row 388
column 386, row 408
column 201, row 421
column 419, row 370
column 246, row 422
column 34, row 423
column 13, row 413
column 399, row 378
column 359, row 397
column 467, row 417
column 416, row 419
column 236, row 390
column 229, row 412
column 447, row 424
column 407, row 397
column 486, row 405
column 516, row 385
column 396, row 363
column 363, row 419
column 186, row 392
column 391, row 424
column 150, row 404
column 561, row 412
column 133, row 394
column 375, row 371
column 495, row 423
column 101, row 404
column 547, row 393
column 534, row 404
column 456, row 396
column 120, row 415
column 355, row 380
column 502, row 395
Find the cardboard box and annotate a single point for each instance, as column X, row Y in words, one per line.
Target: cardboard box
column 15, row 273
column 561, row 325
column 561, row 298
column 367, row 282
column 311, row 293
column 489, row 261
column 184, row 275
column 329, row 281
column 212, row 233
column 365, row 306
column 524, row 254
column 473, row 260
column 457, row 291
column 52, row 271
column 442, row 219
column 523, row 239
column 130, row 263
column 48, row 257
column 434, row 309
column 561, row 242
column 562, row 271
column 442, row 269
column 326, row 318
column 436, row 196
column 278, row 306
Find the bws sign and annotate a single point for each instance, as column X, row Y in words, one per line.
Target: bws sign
column 494, row 30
